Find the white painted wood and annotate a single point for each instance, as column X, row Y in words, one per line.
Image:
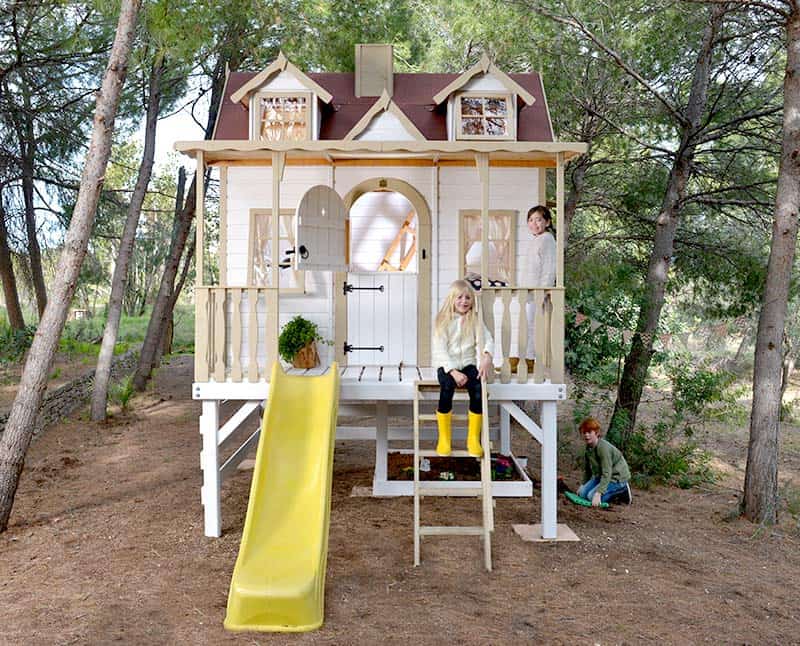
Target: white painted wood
column 352, row 389
column 209, row 461
column 549, row 470
column 505, row 431
column 385, row 318
column 239, row 454
column 381, row 440
column 236, row 420
column 386, row 127
column 320, row 228
column 510, row 408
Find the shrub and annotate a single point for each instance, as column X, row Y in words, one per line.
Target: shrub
column 122, row 392
column 654, row 457
column 14, row 343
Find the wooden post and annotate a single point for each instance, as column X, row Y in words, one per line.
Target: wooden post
column 381, row 441
column 560, row 219
column 199, row 218
column 273, row 295
column 209, row 463
column 223, row 226
column 549, row 470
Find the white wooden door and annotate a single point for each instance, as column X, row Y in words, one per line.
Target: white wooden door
column 382, row 311
column 320, row 231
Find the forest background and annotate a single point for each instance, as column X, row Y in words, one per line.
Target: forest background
column 669, row 219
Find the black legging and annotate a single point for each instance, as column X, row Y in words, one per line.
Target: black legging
column 448, row 389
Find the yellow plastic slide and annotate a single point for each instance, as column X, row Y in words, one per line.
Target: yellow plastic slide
column 278, row 582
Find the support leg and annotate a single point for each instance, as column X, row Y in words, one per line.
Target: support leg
column 209, row 463
column 381, row 442
column 505, row 432
column 549, row 470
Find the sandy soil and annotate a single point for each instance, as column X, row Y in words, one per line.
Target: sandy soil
column 106, row 545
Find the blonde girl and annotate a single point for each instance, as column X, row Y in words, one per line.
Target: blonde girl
column 455, row 355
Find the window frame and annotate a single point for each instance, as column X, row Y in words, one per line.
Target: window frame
column 512, row 214
column 511, row 117
column 255, row 113
column 288, row 216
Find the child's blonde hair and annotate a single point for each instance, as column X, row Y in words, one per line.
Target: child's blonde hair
column 448, row 311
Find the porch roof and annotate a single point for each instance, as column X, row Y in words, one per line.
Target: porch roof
column 537, row 153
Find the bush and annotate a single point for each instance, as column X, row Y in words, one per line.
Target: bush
column 122, row 392
column 653, row 457
column 295, row 335
column 15, row 343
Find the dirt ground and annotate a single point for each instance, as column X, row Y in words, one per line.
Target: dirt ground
column 106, row 545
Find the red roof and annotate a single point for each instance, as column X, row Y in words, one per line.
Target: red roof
column 413, row 94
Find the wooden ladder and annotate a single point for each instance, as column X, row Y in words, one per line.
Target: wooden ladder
column 481, row 490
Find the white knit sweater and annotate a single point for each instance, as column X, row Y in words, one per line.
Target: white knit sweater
column 454, row 351
column 539, row 261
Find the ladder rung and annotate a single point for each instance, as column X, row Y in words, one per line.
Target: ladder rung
column 453, row 454
column 429, row 489
column 451, row 531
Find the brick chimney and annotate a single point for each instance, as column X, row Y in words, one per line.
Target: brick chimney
column 374, row 70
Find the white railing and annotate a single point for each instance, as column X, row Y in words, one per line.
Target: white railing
column 506, row 314
column 235, row 333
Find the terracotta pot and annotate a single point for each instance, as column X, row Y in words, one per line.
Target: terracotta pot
column 307, row 356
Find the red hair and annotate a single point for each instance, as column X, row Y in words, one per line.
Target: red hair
column 588, row 425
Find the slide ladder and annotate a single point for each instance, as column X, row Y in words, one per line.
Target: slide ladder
column 429, row 390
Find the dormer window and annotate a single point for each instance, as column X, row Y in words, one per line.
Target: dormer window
column 484, row 116
column 282, row 116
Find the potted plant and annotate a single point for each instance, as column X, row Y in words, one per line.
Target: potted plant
column 297, row 343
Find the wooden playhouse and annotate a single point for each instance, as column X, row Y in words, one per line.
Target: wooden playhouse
column 388, row 187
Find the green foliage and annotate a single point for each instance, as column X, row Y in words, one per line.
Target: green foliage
column 122, row 392
column 697, row 392
column 14, row 343
column 654, row 457
column 295, row 335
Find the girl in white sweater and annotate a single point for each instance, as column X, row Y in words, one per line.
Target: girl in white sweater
column 539, row 266
column 455, row 355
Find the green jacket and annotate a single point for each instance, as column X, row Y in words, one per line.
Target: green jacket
column 605, row 460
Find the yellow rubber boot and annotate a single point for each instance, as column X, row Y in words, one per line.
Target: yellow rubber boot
column 474, row 435
column 445, row 424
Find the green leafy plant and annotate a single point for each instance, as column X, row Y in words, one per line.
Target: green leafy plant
column 122, row 392
column 295, row 335
column 14, row 343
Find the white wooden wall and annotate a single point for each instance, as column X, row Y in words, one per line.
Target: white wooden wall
column 459, row 188
column 250, row 187
column 386, row 127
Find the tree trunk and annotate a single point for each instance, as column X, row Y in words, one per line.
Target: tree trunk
column 15, row 318
column 120, row 279
column 168, row 330
column 21, row 423
column 760, row 501
column 637, row 362
column 574, row 196
column 162, row 308
column 28, row 150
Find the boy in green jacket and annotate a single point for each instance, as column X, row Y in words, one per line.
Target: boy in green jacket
column 605, row 471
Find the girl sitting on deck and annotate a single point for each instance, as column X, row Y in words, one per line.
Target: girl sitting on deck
column 455, row 355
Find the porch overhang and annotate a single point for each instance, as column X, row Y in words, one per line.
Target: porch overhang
column 535, row 153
